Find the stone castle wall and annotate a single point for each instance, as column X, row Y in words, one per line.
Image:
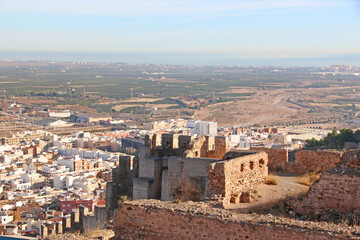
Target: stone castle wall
column 186, row 146
column 151, row 219
column 187, row 178
column 276, row 157
column 337, row 190
column 305, row 160
column 309, row 160
column 234, row 179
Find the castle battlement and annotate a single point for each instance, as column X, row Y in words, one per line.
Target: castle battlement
column 186, row 146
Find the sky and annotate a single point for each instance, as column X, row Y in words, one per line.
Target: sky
column 253, row 28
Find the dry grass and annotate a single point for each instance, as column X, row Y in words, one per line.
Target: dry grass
column 309, row 178
column 121, row 107
column 124, row 199
column 272, row 180
column 96, row 233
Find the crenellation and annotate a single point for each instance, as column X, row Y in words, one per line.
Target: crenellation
column 184, row 142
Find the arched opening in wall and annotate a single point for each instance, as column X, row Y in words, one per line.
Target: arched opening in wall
column 245, row 197
column 251, row 165
column 196, row 154
column 261, row 163
column 235, row 198
column 242, row 167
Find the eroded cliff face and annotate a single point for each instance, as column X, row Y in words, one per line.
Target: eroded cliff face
column 153, row 219
column 337, row 191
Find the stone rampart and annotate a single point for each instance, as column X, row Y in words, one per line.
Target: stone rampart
column 276, row 157
column 96, row 220
column 186, row 146
column 152, row 219
column 187, row 178
column 309, row 160
column 233, row 178
column 338, row 189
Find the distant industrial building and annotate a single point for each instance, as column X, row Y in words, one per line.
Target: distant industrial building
column 92, row 118
column 59, row 113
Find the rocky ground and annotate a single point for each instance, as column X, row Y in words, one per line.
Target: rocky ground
column 88, row 235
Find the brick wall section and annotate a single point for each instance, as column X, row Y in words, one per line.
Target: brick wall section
column 152, row 219
column 276, row 157
column 308, row 160
column 338, row 189
column 232, row 178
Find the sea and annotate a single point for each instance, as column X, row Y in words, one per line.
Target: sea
column 188, row 59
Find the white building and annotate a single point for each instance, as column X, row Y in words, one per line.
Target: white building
column 60, row 124
column 49, row 170
column 6, row 217
column 59, row 114
column 66, row 181
column 69, row 162
column 19, row 184
column 239, row 141
column 203, row 128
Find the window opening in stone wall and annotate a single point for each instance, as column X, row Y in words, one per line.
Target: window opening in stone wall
column 251, row 165
column 242, row 167
column 261, row 163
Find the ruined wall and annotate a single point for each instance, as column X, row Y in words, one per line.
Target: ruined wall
column 309, row 160
column 167, row 144
column 149, row 219
column 207, row 147
column 96, row 220
column 155, row 180
column 233, row 179
column 337, row 190
column 186, row 146
column 276, row 157
column 122, row 181
column 187, row 178
column 81, row 219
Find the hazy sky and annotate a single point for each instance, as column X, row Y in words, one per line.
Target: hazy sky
column 270, row 27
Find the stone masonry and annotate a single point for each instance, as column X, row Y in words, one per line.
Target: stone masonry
column 337, row 190
column 303, row 162
column 309, row 160
column 277, row 157
column 182, row 167
column 234, row 179
column 152, row 219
